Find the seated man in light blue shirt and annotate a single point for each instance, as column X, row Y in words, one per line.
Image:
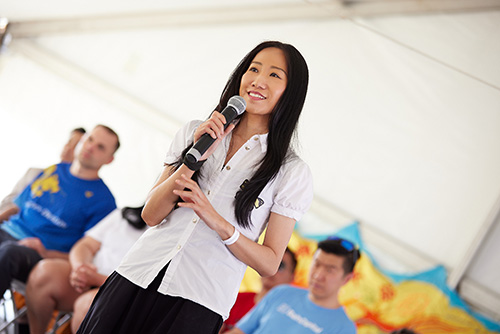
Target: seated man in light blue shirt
column 288, row 309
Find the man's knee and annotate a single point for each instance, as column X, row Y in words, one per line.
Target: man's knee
column 50, row 272
column 40, row 274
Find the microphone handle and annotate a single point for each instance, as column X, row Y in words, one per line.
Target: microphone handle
column 205, row 141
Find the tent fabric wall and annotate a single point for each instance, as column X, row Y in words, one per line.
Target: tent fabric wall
column 401, row 126
column 38, row 110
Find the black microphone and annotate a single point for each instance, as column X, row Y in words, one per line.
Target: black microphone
column 235, row 106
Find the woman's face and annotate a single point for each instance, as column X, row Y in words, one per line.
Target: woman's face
column 264, row 82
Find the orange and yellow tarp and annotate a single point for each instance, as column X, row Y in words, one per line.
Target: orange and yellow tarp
column 379, row 301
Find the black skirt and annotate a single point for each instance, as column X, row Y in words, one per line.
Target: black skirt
column 123, row 307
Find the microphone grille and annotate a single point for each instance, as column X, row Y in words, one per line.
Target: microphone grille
column 238, row 103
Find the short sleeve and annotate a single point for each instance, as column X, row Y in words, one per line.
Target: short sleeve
column 294, row 191
column 182, row 139
column 23, row 187
column 100, row 208
column 104, row 226
column 22, row 198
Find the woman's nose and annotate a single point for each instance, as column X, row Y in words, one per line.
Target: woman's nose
column 259, row 82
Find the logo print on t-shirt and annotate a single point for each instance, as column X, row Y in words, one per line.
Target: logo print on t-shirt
column 47, row 182
column 89, row 194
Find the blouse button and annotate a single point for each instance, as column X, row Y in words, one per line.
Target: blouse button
column 228, row 167
column 208, row 192
column 255, row 138
column 178, row 246
column 194, row 220
column 247, row 148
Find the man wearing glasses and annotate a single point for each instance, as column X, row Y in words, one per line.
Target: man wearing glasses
column 288, row 309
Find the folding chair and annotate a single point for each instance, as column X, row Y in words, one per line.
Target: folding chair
column 10, row 312
column 61, row 319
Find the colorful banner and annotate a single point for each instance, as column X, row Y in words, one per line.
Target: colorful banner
column 380, row 301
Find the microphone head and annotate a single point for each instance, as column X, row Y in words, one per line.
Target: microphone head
column 238, row 103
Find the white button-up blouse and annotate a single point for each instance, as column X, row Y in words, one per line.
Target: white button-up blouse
column 202, row 269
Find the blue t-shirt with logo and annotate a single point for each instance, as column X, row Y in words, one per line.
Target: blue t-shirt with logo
column 288, row 309
column 58, row 208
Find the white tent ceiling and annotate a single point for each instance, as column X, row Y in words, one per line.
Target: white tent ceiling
column 401, row 126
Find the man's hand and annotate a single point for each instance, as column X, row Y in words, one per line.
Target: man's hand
column 34, row 243
column 9, row 211
column 84, row 277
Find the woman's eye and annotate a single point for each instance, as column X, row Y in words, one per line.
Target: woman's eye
column 252, row 69
column 275, row 75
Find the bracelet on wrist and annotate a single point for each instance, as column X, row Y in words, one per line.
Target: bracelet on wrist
column 232, row 239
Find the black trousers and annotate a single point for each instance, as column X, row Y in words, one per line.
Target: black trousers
column 15, row 261
column 123, row 307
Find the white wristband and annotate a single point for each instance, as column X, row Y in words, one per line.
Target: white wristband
column 232, row 239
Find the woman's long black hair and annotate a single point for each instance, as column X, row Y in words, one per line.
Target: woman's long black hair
column 282, row 123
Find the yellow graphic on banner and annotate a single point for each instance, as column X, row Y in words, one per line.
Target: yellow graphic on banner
column 377, row 305
column 47, row 182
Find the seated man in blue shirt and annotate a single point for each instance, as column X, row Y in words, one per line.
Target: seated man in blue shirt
column 57, row 208
column 7, row 206
column 288, row 309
